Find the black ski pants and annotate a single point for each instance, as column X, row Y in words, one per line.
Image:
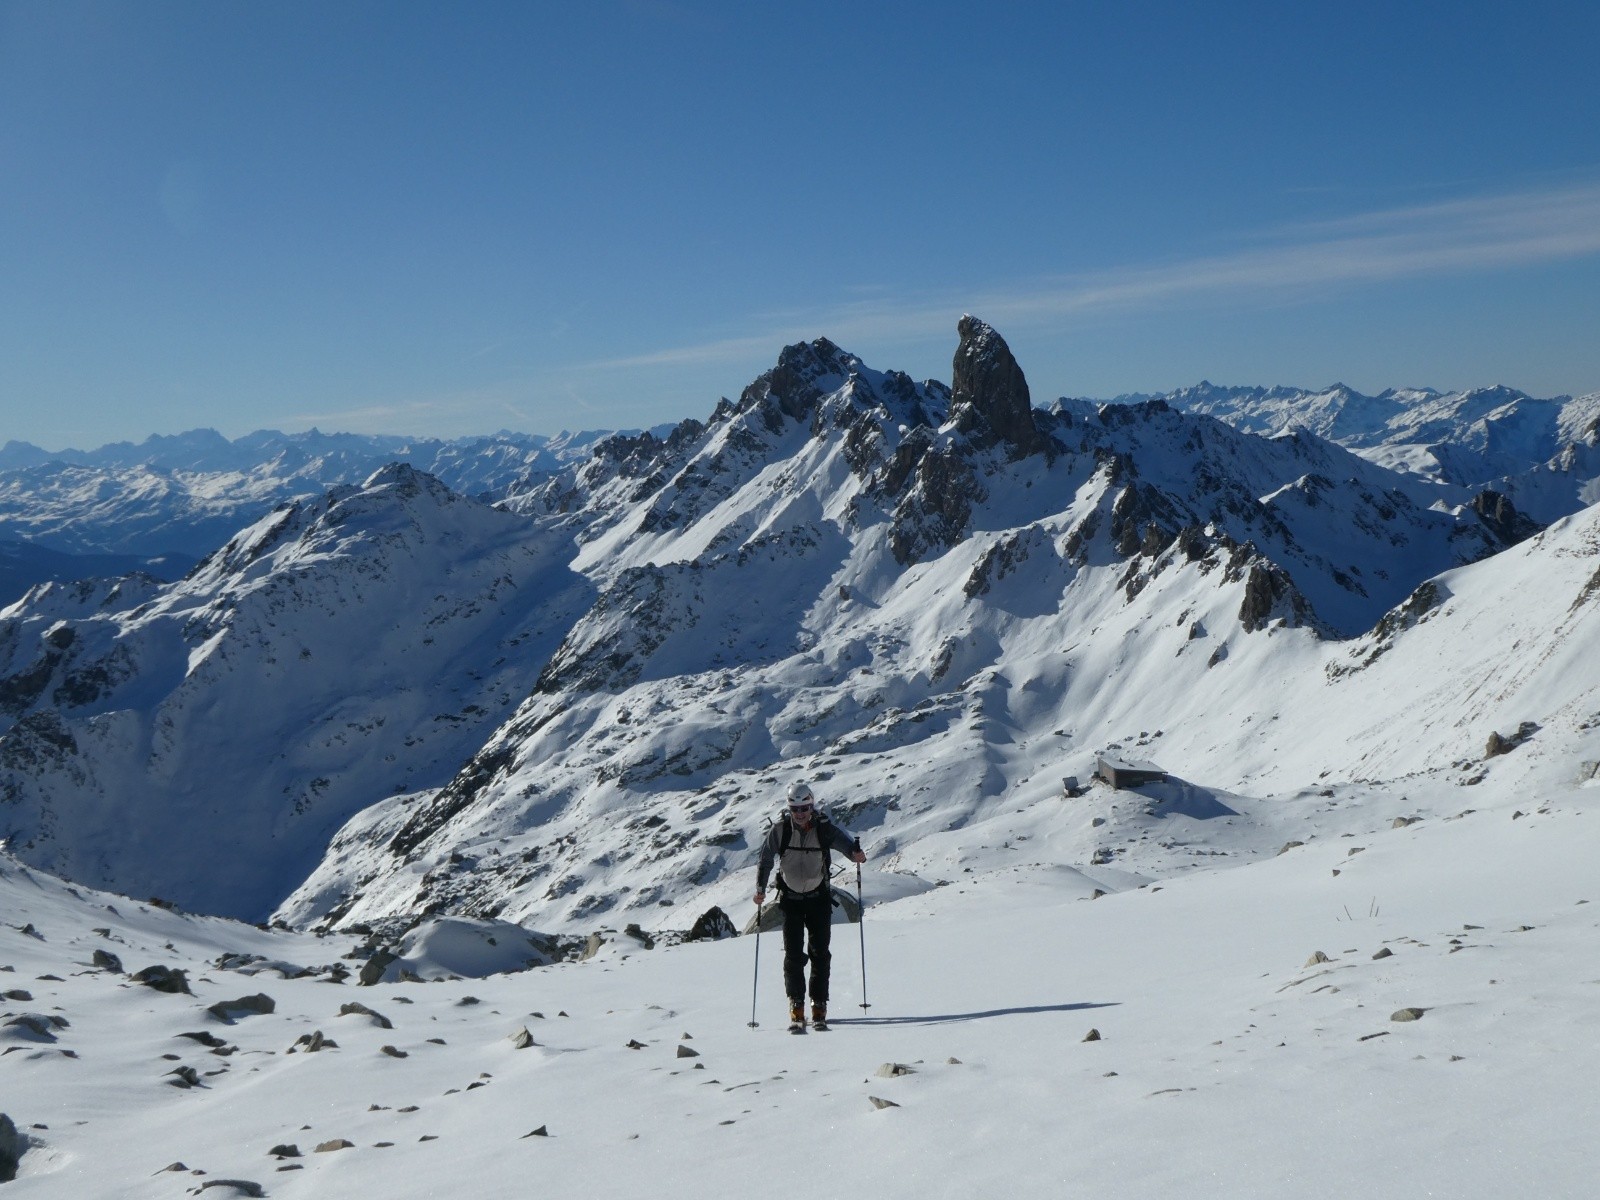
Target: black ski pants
column 808, row 915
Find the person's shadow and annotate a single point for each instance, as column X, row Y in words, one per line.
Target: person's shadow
column 948, row 1018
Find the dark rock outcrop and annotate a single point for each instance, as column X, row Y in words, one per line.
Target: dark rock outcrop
column 989, row 399
column 1004, row 558
column 936, row 511
column 1270, row 595
column 713, row 925
column 12, row 1145
column 108, row 961
column 791, row 389
column 164, row 979
column 1143, row 521
column 451, row 800
column 244, row 1006
column 1502, row 519
column 1501, row 743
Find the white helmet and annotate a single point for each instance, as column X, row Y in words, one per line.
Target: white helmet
column 800, row 794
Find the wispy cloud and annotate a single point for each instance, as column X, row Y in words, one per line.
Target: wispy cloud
column 1483, row 233
column 726, row 350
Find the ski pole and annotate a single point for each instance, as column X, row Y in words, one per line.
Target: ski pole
column 757, row 980
column 861, row 920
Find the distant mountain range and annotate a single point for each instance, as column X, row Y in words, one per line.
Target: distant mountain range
column 577, row 693
column 184, row 495
column 168, row 501
column 1543, row 454
column 328, row 457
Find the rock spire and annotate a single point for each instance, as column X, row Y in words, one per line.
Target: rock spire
column 989, row 396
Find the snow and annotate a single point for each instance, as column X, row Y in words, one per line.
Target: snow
column 1228, row 1064
column 445, row 947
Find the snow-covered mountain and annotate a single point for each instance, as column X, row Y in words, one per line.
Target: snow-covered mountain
column 201, row 741
column 189, row 493
column 1543, row 454
column 933, row 602
column 544, row 736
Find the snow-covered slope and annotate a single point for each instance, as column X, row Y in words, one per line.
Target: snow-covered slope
column 202, row 740
column 1401, row 1012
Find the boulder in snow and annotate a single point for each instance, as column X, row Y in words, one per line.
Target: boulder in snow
column 34, row 1027
column 12, row 1146
column 231, row 1010
column 712, row 925
column 164, row 979
column 356, row 1008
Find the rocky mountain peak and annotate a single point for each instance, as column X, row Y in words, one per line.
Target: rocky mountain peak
column 407, row 482
column 806, row 372
column 989, row 399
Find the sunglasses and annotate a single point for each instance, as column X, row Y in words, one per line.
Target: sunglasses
column 801, row 808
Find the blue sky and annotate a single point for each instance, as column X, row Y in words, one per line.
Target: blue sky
column 453, row 218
